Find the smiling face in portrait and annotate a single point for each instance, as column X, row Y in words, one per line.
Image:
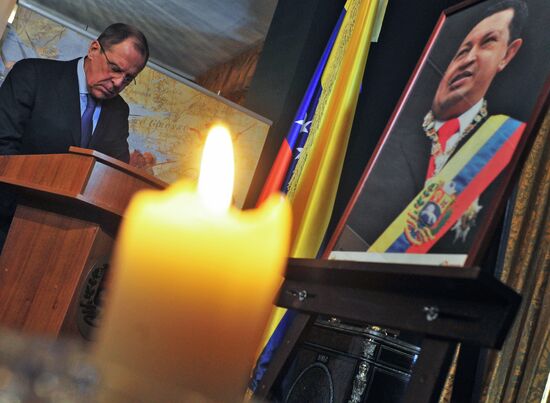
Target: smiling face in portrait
column 485, row 51
column 110, row 70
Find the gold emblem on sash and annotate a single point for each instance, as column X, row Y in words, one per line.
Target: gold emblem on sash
column 430, row 211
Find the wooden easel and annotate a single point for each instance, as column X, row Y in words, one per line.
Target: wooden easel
column 446, row 305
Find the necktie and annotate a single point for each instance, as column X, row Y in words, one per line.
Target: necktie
column 86, row 124
column 444, row 133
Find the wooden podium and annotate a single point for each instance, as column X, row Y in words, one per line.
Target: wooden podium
column 68, row 213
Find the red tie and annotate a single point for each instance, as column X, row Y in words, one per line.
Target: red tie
column 444, row 133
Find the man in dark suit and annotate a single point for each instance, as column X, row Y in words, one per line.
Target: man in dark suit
column 46, row 106
column 42, row 101
column 408, row 161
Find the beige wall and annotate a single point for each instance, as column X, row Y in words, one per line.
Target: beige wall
column 5, row 10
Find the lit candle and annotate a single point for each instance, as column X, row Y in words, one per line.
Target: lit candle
column 193, row 282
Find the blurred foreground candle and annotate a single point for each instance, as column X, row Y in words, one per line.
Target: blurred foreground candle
column 192, row 288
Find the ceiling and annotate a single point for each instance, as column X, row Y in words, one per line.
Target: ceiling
column 188, row 37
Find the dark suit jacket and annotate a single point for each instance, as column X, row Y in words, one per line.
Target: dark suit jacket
column 40, row 112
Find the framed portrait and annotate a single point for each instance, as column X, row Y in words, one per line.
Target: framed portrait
column 438, row 179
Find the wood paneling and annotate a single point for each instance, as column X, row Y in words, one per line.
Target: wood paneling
column 6, row 6
column 232, row 79
column 40, row 267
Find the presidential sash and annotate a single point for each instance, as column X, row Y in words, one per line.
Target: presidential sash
column 447, row 195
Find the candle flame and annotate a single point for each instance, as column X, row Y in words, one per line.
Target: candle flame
column 217, row 170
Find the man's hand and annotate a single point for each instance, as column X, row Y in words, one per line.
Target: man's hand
column 145, row 161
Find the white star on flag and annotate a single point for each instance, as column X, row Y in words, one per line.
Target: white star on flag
column 304, row 123
column 299, row 149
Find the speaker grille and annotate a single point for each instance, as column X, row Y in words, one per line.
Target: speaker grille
column 313, row 384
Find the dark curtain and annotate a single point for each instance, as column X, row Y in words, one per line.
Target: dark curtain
column 519, row 372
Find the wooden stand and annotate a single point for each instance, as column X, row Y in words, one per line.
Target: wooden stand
column 446, row 305
column 68, row 213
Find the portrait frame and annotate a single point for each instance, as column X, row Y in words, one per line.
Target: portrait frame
column 520, row 91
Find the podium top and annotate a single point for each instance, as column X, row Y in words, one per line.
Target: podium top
column 119, row 164
column 82, row 180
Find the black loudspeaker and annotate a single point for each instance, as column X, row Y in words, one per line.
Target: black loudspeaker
column 337, row 362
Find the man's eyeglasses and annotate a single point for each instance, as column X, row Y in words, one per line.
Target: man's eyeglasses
column 116, row 70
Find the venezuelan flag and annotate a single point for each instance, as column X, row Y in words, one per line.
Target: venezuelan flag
column 312, row 185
